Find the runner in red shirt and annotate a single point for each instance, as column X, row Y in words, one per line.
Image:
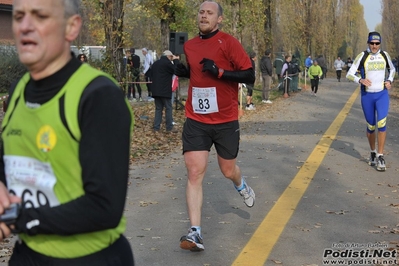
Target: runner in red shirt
column 216, row 63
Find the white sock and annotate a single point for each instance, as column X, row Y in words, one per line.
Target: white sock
column 242, row 186
column 198, row 229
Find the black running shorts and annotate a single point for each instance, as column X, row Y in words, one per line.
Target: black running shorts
column 198, row 136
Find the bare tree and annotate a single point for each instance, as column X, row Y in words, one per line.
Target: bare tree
column 113, row 12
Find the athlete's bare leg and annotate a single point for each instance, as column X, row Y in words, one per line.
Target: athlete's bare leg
column 196, row 163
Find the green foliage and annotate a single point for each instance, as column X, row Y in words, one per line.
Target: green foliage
column 10, row 67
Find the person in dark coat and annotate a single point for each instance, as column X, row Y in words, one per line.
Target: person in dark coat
column 322, row 63
column 267, row 71
column 162, row 74
column 250, row 86
column 134, row 65
column 294, row 71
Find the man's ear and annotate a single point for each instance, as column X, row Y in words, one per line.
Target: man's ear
column 220, row 19
column 73, row 26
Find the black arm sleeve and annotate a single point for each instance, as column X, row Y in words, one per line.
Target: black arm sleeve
column 104, row 151
column 182, row 71
column 242, row 76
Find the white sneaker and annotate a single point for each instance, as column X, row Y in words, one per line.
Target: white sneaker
column 373, row 159
column 193, row 241
column 381, row 163
column 248, row 195
column 269, row 102
column 264, row 101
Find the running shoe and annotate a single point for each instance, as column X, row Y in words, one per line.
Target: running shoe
column 192, row 241
column 248, row 195
column 373, row 159
column 381, row 163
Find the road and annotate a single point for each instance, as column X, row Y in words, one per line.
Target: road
column 334, row 197
column 305, row 157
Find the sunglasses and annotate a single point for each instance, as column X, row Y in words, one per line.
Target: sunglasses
column 374, row 43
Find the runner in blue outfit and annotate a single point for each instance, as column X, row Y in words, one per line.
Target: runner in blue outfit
column 374, row 91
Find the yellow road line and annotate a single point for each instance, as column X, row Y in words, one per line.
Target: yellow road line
column 266, row 235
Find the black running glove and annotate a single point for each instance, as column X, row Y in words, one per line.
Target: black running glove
column 209, row 65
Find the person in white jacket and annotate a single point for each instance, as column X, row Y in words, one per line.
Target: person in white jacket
column 148, row 61
column 338, row 65
column 372, row 65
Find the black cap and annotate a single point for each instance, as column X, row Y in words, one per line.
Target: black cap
column 132, row 50
column 267, row 52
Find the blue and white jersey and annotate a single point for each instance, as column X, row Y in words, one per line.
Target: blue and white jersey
column 374, row 70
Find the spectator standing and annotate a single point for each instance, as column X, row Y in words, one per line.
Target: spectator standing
column 315, row 73
column 338, row 65
column 175, row 86
column 267, row 72
column 308, row 62
column 348, row 63
column 134, row 64
column 148, row 61
column 374, row 94
column 250, row 86
column 278, row 65
column 73, row 156
column 322, row 63
column 162, row 76
column 285, row 71
column 215, row 69
column 294, row 71
column 82, row 58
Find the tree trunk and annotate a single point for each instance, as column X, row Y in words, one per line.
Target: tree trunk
column 164, row 35
column 113, row 11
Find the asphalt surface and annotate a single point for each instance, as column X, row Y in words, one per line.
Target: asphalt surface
column 344, row 201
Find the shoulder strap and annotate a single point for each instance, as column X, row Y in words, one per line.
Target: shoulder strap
column 14, row 98
column 386, row 60
column 77, row 84
column 361, row 65
column 366, row 53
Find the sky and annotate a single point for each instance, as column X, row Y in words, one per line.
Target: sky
column 372, row 13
